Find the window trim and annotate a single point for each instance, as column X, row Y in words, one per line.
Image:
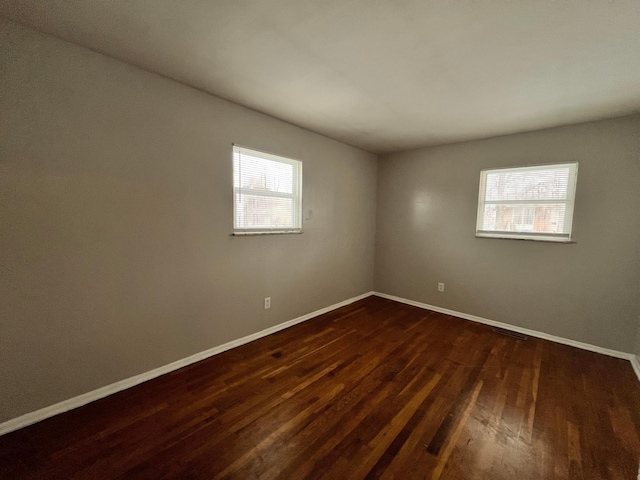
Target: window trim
column 296, row 194
column 545, row 237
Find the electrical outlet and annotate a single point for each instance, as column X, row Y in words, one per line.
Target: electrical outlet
column 441, row 287
column 267, row 302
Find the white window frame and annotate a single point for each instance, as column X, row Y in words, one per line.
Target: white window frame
column 295, row 195
column 569, row 202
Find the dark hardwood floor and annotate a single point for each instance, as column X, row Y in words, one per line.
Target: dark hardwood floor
column 374, row 389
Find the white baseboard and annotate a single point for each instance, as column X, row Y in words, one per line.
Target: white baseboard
column 75, row 402
column 513, row 328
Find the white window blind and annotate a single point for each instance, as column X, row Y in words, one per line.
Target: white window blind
column 267, row 193
column 533, row 202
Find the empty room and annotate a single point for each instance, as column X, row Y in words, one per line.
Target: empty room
column 276, row 239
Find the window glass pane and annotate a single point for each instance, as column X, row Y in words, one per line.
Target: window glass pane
column 544, row 184
column 547, row 218
column 262, row 174
column 255, row 211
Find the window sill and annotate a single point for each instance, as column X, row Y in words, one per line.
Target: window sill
column 253, row 234
column 534, row 238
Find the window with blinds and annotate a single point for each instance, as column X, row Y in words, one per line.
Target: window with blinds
column 267, row 193
column 531, row 203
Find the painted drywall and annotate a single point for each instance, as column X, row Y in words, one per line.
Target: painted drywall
column 115, row 222
column 585, row 291
column 637, row 350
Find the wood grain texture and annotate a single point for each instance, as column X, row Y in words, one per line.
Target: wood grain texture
column 376, row 389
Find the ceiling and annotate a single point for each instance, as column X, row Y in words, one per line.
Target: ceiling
column 382, row 75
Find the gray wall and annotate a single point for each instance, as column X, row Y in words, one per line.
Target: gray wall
column 637, row 350
column 637, row 346
column 115, row 215
column 585, row 291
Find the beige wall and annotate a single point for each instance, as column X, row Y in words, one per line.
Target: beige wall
column 586, row 291
column 115, row 215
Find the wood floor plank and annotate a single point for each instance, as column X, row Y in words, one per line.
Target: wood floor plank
column 376, row 389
